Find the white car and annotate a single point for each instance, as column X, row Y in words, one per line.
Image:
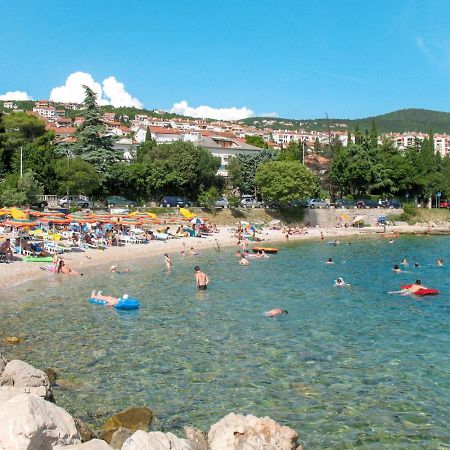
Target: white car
column 247, row 201
column 317, row 203
column 80, row 200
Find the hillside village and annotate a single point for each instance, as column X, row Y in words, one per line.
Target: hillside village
column 222, row 138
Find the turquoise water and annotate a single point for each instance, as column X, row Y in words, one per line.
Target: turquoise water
column 349, row 367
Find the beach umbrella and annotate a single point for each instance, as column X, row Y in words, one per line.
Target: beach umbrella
column 20, row 223
column 197, row 221
column 381, row 219
column 17, row 213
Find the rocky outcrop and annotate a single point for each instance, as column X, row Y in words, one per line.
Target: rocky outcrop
column 85, row 431
column 119, row 437
column 28, row 422
column 157, row 441
column 20, row 377
column 133, row 418
column 197, row 436
column 95, row 444
column 238, row 432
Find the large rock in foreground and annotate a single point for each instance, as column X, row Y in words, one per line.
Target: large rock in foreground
column 23, row 377
column 238, row 432
column 132, row 418
column 157, row 441
column 94, row 444
column 28, row 422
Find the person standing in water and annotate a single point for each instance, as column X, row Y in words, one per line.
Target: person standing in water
column 168, row 261
column 201, row 279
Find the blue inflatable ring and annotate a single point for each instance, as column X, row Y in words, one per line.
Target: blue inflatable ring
column 124, row 304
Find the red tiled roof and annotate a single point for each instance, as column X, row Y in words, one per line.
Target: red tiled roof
column 162, row 130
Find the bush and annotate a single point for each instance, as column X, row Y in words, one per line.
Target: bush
column 208, row 198
column 409, row 209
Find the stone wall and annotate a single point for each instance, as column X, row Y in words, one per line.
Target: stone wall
column 331, row 217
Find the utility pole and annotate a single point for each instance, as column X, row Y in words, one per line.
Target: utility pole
column 21, row 162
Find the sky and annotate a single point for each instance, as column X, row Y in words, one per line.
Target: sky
column 231, row 59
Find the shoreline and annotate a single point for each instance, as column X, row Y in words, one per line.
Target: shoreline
column 20, row 272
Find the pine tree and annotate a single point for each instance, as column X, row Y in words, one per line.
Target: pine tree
column 373, row 135
column 93, row 145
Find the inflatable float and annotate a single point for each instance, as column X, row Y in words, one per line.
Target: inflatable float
column 265, row 249
column 123, row 304
column 421, row 291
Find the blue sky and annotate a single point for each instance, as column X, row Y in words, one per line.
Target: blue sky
column 298, row 59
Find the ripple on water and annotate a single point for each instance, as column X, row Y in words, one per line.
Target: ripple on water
column 348, row 367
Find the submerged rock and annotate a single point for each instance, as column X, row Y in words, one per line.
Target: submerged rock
column 86, row 433
column 28, row 422
column 238, row 432
column 132, row 418
column 23, row 377
column 95, row 444
column 12, row 340
column 51, row 374
column 156, row 440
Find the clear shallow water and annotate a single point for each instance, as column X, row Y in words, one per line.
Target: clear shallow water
column 347, row 368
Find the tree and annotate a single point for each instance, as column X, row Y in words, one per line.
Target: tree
column 284, row 181
column 20, row 191
column 93, row 144
column 257, row 141
column 234, row 170
column 208, row 198
column 293, row 152
column 249, row 164
column 77, row 176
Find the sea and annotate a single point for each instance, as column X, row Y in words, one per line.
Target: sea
column 359, row 366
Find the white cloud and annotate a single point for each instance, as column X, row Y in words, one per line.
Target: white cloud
column 15, row 95
column 268, row 114
column 436, row 50
column 204, row 111
column 112, row 93
column 118, row 96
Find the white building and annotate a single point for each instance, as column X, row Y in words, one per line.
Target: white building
column 225, row 149
column 10, row 104
column 45, row 111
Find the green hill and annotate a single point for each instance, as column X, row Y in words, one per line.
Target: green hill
column 422, row 120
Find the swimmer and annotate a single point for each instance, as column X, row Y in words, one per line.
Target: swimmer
column 404, row 262
column 193, row 252
column 110, row 301
column 244, row 261
column 340, row 282
column 168, row 261
column 201, row 279
column 392, row 241
column 416, row 265
column 414, row 288
column 238, row 254
column 329, row 261
column 397, row 269
column 66, row 270
column 114, row 269
column 183, row 249
column 440, row 262
column 275, row 312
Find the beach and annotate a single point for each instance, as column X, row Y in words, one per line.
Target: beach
column 20, row 272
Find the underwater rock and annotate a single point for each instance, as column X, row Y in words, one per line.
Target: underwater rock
column 29, row 423
column 12, row 340
column 132, row 418
column 238, row 432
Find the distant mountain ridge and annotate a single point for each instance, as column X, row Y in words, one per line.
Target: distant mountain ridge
column 420, row 120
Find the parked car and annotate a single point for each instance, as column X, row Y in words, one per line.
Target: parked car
column 173, row 201
column 221, row 203
column 317, row 203
column 298, row 204
column 343, row 203
column 391, row 204
column 79, row 200
column 366, row 203
column 444, row 204
column 248, row 201
column 116, row 200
